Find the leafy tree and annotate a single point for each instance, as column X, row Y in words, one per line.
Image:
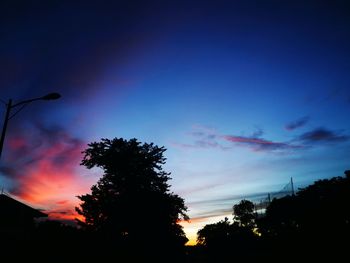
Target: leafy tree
column 131, row 203
column 321, row 205
column 224, row 239
column 214, row 233
column 316, row 219
column 243, row 214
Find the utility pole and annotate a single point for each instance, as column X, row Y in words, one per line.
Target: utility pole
column 4, row 127
column 292, row 185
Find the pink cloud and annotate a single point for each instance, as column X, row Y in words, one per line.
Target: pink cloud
column 210, row 138
column 46, row 173
column 257, row 144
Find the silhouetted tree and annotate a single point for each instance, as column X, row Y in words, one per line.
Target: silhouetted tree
column 224, row 239
column 316, row 221
column 131, row 204
column 214, row 233
column 313, row 224
column 347, row 174
column 243, row 214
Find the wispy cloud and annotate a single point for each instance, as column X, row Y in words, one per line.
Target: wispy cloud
column 203, row 187
column 212, row 213
column 297, row 123
column 204, row 137
column 258, row 144
column 322, row 135
column 230, row 199
column 211, row 139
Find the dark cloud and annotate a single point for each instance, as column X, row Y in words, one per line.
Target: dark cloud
column 258, row 144
column 209, row 138
column 297, row 123
column 206, row 138
column 322, row 135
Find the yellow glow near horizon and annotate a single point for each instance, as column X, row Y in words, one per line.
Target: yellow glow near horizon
column 194, row 225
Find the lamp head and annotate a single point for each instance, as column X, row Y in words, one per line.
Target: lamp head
column 51, row 96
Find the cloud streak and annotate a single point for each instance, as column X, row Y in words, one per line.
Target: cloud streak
column 230, row 199
column 322, row 135
column 297, row 123
column 258, row 144
column 210, row 139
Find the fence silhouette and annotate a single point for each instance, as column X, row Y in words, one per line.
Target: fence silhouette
column 261, row 205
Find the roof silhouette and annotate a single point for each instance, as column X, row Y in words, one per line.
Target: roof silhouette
column 12, row 206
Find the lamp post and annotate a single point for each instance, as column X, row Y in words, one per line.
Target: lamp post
column 10, row 106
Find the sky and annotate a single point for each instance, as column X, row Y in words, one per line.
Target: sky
column 243, row 95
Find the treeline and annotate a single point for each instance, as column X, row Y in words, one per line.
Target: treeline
column 314, row 223
column 132, row 216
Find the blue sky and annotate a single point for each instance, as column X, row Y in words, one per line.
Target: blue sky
column 243, row 94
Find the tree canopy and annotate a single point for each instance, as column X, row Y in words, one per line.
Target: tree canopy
column 243, row 213
column 214, row 233
column 315, row 222
column 322, row 205
column 132, row 202
column 223, row 238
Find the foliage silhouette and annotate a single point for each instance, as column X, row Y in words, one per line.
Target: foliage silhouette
column 316, row 221
column 223, row 238
column 243, row 214
column 131, row 206
column 214, row 233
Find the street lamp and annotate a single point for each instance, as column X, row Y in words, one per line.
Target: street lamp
column 10, row 106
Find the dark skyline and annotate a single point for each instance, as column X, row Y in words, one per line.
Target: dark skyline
column 243, row 94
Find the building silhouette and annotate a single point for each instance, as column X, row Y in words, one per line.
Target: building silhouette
column 16, row 218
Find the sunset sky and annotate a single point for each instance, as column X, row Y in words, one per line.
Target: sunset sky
column 243, row 94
